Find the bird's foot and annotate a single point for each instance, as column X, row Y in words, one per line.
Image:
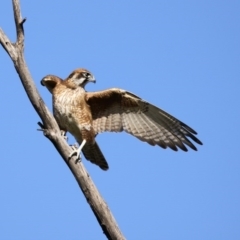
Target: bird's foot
column 76, row 151
column 64, row 135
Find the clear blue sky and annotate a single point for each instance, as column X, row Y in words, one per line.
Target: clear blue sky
column 182, row 56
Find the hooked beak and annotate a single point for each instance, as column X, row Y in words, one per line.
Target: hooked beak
column 91, row 78
column 42, row 82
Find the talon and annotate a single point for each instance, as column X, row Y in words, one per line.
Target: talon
column 74, row 152
column 77, row 151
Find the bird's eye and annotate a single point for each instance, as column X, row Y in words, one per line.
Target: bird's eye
column 86, row 74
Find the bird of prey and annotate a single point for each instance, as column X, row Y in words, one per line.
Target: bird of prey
column 85, row 114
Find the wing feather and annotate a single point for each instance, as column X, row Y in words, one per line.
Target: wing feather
column 116, row 110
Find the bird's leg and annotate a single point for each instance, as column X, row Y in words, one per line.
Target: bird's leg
column 78, row 151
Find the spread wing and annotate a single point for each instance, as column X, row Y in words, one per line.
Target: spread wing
column 116, row 110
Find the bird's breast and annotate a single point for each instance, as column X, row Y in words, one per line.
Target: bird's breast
column 71, row 112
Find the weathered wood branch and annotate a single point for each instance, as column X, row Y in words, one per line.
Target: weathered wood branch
column 52, row 131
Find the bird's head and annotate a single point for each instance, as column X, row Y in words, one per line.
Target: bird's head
column 50, row 82
column 79, row 78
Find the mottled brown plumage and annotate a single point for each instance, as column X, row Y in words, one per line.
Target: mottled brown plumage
column 85, row 114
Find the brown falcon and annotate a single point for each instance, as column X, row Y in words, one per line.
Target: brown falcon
column 85, row 114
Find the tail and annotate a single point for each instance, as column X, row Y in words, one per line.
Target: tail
column 93, row 153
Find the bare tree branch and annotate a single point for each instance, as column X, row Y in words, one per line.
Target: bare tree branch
column 52, row 132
